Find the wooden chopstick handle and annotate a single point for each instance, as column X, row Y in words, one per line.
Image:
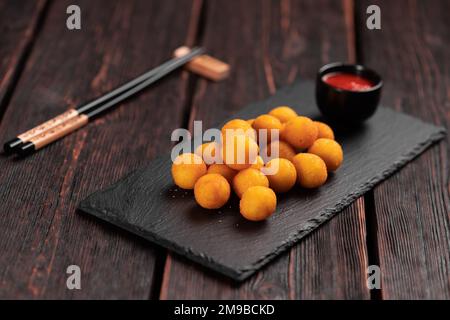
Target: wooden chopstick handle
column 45, row 138
column 15, row 144
column 56, row 121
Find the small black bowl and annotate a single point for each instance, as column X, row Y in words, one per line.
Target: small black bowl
column 342, row 105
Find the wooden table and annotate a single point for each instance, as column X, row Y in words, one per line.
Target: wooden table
column 402, row 225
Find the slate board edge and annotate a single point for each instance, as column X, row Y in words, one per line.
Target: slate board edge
column 88, row 207
column 243, row 273
column 436, row 136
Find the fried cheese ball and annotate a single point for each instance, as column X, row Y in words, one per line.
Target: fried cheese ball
column 207, row 151
column 285, row 151
column 330, row 151
column 311, row 170
column 239, row 126
column 258, row 164
column 284, row 174
column 239, row 151
column 268, row 123
column 248, row 178
column 283, row 126
column 224, row 170
column 212, row 191
column 300, row 132
column 325, row 130
column 187, row 169
column 283, row 113
column 258, row 203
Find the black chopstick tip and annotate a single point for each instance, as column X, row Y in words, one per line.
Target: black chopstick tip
column 26, row 149
column 12, row 145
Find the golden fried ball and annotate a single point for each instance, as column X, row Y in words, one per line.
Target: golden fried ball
column 207, row 151
column 285, row 151
column 238, row 126
column 258, row 203
column 258, row 164
column 212, row 191
column 300, row 132
column 325, row 130
column 283, row 113
column 283, row 125
column 239, row 151
column 224, row 170
column 268, row 123
column 187, row 169
column 248, row 178
column 330, row 151
column 311, row 170
column 284, row 174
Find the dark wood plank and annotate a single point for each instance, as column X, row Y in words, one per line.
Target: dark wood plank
column 42, row 233
column 19, row 23
column 412, row 226
column 269, row 44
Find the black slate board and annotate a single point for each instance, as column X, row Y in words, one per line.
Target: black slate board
column 148, row 204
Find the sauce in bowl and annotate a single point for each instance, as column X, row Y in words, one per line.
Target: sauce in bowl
column 347, row 81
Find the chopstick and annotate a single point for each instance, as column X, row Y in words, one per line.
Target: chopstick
column 67, row 122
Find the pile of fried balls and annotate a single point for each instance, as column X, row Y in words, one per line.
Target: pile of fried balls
column 307, row 152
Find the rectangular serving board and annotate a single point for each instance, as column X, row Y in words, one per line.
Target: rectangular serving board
column 147, row 203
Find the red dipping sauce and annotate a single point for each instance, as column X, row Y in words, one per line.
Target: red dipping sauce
column 347, row 81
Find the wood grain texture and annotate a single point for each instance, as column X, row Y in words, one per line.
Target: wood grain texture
column 412, row 226
column 41, row 231
column 19, row 22
column 269, row 44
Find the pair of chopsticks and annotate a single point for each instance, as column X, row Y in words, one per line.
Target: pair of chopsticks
column 69, row 121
